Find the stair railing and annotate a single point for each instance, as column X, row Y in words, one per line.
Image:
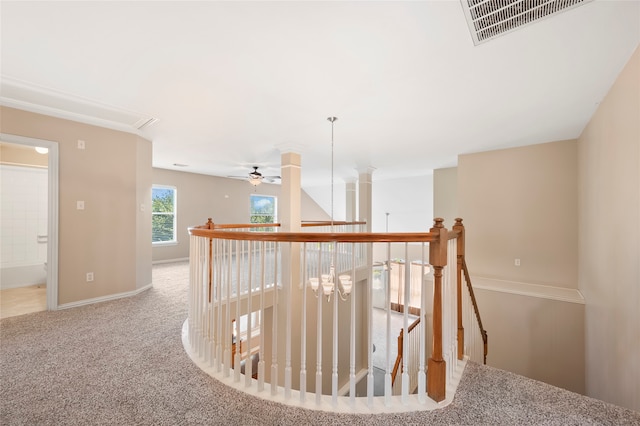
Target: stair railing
column 236, row 270
column 467, row 296
column 410, row 359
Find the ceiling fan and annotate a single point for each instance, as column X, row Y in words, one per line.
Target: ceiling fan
column 255, row 177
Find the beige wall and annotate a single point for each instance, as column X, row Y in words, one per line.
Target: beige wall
column 103, row 238
column 535, row 337
column 144, row 181
column 609, row 170
column 21, row 155
column 222, row 199
column 522, row 203
column 445, row 194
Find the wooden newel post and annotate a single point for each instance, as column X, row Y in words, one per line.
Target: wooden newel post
column 436, row 366
column 210, row 226
column 460, row 248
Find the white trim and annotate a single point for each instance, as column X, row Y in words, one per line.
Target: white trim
column 343, row 404
column 101, row 115
column 562, row 294
column 174, row 240
column 105, row 298
column 181, row 259
column 52, row 220
column 344, row 390
column 164, row 243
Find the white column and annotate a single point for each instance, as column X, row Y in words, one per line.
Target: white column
column 289, row 216
column 364, row 196
column 351, row 207
column 364, row 215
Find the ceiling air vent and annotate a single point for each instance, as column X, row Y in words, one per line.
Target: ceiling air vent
column 144, row 122
column 488, row 19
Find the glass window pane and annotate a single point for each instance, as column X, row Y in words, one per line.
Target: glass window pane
column 163, row 216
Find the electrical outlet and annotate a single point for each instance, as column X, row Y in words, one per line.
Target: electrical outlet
column 80, row 205
column 89, row 277
column 80, row 144
column 517, row 262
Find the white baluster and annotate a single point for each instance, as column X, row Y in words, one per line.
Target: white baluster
column 422, row 376
column 334, row 374
column 287, row 291
column 405, row 341
column 370, row 334
column 319, row 337
column 227, row 323
column 219, row 335
column 303, row 332
column 237, row 358
column 247, row 362
column 262, row 336
column 274, row 345
column 388, row 391
column 352, row 336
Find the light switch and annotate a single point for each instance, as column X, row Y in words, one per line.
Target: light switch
column 80, row 144
column 80, row 205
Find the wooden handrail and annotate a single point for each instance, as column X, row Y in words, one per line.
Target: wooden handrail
column 246, row 225
column 313, row 237
column 309, row 223
column 397, row 364
column 483, row 332
column 212, row 230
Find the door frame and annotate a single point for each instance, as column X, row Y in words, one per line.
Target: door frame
column 52, row 210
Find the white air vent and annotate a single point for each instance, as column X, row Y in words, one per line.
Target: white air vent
column 144, row 122
column 488, row 19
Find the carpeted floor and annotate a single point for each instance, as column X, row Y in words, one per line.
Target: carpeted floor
column 122, row 363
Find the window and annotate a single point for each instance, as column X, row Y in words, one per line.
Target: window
column 163, row 216
column 263, row 209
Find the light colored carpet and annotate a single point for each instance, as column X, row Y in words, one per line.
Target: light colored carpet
column 122, row 363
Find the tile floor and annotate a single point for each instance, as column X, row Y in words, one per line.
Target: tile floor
column 23, row 300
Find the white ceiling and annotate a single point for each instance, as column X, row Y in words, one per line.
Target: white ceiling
column 232, row 84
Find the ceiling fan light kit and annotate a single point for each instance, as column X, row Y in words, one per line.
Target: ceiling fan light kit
column 255, row 177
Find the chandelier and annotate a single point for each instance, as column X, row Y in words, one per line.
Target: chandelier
column 328, row 281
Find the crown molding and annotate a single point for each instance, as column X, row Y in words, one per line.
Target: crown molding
column 30, row 97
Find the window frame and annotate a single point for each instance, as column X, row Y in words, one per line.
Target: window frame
column 174, row 239
column 275, row 208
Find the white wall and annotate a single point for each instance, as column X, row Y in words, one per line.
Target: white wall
column 23, row 217
column 409, row 202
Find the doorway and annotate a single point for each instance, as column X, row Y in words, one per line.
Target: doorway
column 50, row 237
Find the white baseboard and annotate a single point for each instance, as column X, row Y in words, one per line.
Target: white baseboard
column 158, row 262
column 105, row 298
column 562, row 294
